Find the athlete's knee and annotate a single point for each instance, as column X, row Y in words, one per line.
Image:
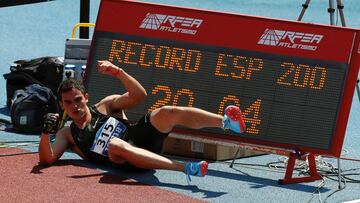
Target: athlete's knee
column 167, row 112
column 117, row 147
column 116, row 151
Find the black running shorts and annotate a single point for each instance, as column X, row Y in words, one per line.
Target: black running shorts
column 144, row 135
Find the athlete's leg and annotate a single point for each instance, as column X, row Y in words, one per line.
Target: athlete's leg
column 166, row 117
column 120, row 151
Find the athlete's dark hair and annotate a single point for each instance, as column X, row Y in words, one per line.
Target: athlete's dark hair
column 67, row 85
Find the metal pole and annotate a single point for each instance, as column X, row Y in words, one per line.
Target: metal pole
column 339, row 173
column 84, row 18
column 331, row 11
column 340, row 7
column 305, row 6
column 235, row 156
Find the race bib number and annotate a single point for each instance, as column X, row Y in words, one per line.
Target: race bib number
column 110, row 129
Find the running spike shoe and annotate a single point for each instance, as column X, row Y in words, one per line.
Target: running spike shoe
column 196, row 169
column 233, row 119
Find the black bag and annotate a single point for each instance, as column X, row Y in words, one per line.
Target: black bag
column 45, row 71
column 29, row 107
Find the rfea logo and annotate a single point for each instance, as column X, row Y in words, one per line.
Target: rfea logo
column 289, row 39
column 171, row 23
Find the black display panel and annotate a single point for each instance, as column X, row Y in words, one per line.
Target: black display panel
column 284, row 99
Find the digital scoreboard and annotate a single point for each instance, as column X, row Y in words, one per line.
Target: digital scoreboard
column 293, row 81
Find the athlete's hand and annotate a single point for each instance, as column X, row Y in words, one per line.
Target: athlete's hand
column 51, row 121
column 107, row 68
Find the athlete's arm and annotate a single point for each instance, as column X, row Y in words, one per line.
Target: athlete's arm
column 135, row 91
column 51, row 152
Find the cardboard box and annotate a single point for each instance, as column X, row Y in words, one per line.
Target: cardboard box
column 175, row 145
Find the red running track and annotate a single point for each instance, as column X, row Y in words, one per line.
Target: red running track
column 23, row 180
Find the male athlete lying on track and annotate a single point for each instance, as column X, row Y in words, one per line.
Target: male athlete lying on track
column 101, row 133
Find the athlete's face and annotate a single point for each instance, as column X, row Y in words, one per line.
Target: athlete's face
column 74, row 102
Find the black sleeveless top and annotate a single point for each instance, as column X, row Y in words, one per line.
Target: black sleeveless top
column 93, row 139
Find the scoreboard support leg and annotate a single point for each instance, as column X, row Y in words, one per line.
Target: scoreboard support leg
column 358, row 89
column 235, row 156
column 331, row 11
column 305, row 6
column 288, row 179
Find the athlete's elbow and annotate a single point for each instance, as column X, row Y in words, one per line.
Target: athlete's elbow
column 140, row 96
column 143, row 94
